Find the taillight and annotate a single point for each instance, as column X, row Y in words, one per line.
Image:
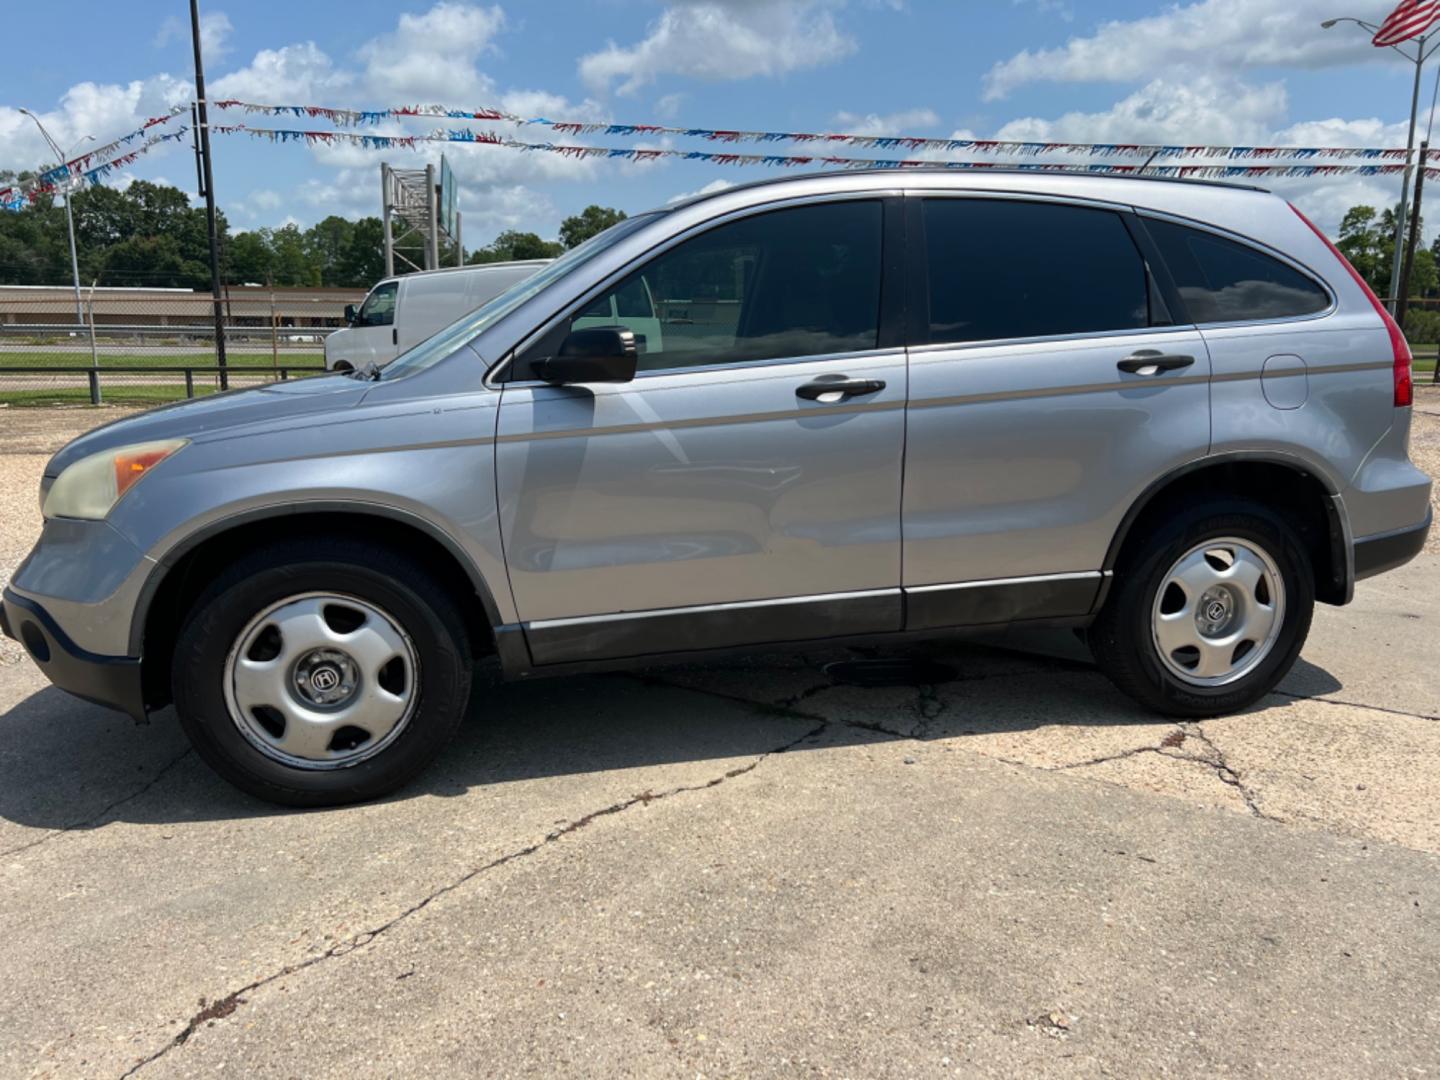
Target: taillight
column 1399, row 347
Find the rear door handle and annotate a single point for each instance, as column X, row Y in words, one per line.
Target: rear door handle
column 814, row 391
column 1153, row 362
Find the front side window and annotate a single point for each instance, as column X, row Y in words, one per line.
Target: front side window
column 379, row 306
column 471, row 325
column 1002, row 269
column 797, row 282
column 1223, row 281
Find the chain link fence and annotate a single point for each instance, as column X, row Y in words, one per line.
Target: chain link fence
column 147, row 346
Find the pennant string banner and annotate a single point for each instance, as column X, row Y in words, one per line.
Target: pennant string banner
column 17, row 196
column 912, row 143
column 95, row 165
column 465, row 135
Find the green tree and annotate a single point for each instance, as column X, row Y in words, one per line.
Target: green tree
column 293, row 264
column 325, row 243
column 248, row 259
column 511, row 245
column 578, row 228
column 362, row 263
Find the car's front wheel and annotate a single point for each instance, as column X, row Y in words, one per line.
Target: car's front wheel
column 314, row 674
column 1208, row 613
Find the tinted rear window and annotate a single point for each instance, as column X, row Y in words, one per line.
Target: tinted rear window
column 1012, row 269
column 1224, row 281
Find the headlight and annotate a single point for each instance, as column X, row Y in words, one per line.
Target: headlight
column 94, row 484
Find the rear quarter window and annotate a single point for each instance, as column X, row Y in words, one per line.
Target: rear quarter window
column 1221, row 280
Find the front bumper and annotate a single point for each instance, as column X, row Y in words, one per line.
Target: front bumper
column 111, row 681
column 1377, row 554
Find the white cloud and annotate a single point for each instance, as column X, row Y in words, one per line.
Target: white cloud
column 215, row 31
column 720, row 40
column 105, row 111
column 1201, row 36
column 709, row 189
column 294, row 74
column 1226, row 111
column 1061, row 9
column 667, row 107
column 432, row 56
column 905, row 122
column 1202, row 110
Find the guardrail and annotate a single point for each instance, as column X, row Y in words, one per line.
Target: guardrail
column 42, row 382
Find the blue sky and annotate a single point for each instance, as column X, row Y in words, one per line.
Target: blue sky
column 1243, row 71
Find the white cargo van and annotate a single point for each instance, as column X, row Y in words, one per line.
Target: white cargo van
column 401, row 312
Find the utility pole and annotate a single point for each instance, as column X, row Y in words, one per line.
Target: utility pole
column 208, row 177
column 1414, row 237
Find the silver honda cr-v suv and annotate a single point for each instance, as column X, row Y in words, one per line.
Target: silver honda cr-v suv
column 825, row 408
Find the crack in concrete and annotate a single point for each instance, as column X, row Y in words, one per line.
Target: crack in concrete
column 1353, row 705
column 1214, row 760
column 225, row 1006
column 1226, row 773
column 99, row 817
column 929, row 706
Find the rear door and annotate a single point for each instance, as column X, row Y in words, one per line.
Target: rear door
column 745, row 487
column 1048, row 388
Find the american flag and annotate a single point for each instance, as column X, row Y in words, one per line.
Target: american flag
column 1410, row 18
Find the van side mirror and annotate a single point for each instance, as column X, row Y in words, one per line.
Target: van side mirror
column 350, row 314
column 598, row 354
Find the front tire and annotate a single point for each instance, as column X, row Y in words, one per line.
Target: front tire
column 1208, row 613
column 322, row 672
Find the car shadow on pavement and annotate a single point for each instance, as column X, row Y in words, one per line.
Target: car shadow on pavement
column 65, row 764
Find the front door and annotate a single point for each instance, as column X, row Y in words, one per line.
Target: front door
column 1048, row 388
column 373, row 337
column 745, row 488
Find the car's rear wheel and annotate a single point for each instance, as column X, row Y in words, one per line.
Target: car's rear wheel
column 1209, row 612
column 320, row 673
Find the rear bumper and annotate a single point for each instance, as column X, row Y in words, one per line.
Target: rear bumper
column 1377, row 554
column 111, row 681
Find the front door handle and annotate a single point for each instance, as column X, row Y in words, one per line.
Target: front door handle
column 845, row 387
column 1153, row 362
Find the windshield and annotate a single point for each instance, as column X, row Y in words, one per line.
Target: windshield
column 468, row 327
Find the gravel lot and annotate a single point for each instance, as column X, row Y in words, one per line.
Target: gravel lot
column 750, row 868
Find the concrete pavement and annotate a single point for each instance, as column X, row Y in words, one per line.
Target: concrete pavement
column 754, row 868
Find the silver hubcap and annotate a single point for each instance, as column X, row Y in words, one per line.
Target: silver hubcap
column 1218, row 612
column 321, row 681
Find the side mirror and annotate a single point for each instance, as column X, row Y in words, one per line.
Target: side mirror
column 599, row 354
column 350, row 314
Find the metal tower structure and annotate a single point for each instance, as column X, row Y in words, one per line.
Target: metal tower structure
column 417, row 212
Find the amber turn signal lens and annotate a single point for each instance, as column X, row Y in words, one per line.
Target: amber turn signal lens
column 130, row 467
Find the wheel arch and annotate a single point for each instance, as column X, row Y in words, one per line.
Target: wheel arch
column 185, row 568
column 1307, row 495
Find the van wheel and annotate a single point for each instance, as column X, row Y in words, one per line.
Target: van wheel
column 342, row 365
column 322, row 672
column 1209, row 613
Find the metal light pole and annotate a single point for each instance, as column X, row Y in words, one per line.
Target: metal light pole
column 1421, row 55
column 69, row 214
column 209, row 179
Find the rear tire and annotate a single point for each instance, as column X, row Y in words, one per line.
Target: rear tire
column 321, row 672
column 1209, row 613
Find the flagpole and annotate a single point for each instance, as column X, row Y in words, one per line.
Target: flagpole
column 1405, row 24
column 1400, row 218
